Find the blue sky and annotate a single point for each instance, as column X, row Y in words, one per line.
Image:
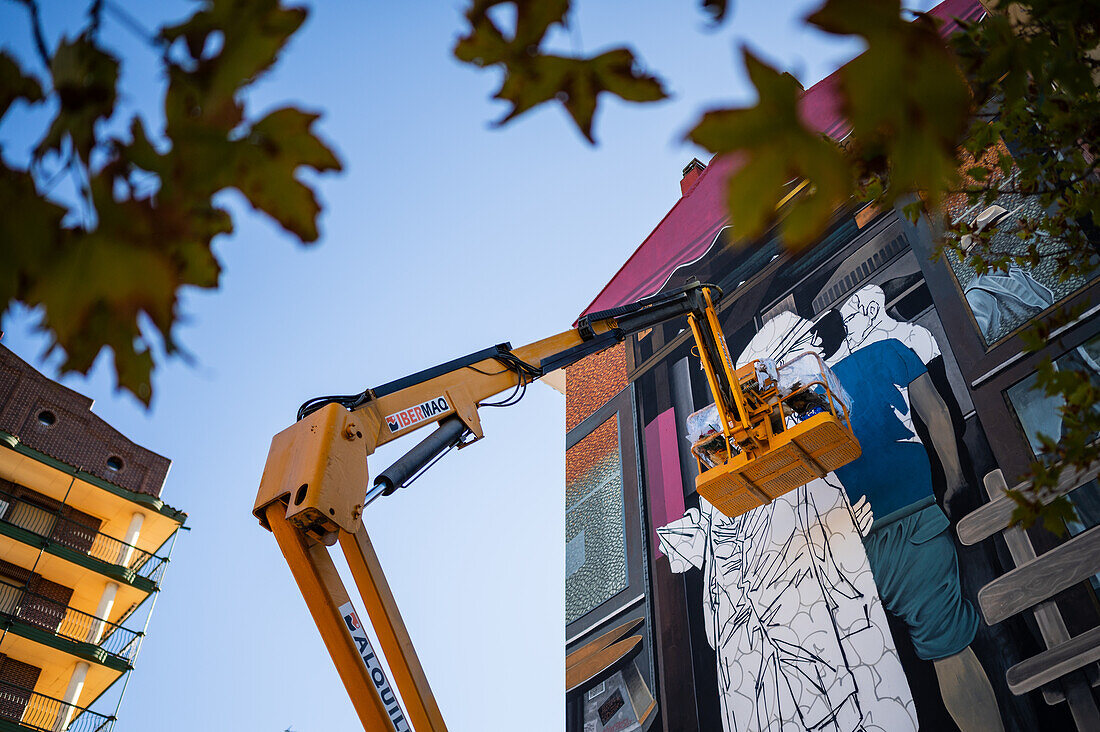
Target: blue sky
column 443, row 236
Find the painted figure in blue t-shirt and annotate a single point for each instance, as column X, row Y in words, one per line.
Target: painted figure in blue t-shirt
column 912, row 557
column 894, row 472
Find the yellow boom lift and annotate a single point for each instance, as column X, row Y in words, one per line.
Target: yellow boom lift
column 315, row 485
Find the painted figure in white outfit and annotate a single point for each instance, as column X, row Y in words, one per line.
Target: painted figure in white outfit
column 792, row 611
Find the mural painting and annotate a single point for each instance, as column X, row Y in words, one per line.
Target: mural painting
column 851, row 603
column 1002, row 301
column 793, row 615
column 798, row 590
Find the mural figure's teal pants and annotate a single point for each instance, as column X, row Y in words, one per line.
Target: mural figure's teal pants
column 917, row 572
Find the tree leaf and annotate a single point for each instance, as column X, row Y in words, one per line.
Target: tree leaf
column 253, row 33
column 267, row 160
column 716, row 9
column 532, row 78
column 84, row 79
column 486, row 43
column 576, row 84
column 1057, row 514
column 14, row 84
column 904, row 96
column 28, row 238
column 148, row 218
column 779, row 150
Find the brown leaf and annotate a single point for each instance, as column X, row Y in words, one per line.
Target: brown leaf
column 267, row 161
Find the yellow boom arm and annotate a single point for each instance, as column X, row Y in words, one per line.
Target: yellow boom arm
column 315, row 484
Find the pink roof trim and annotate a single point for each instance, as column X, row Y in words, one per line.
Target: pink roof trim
column 690, row 227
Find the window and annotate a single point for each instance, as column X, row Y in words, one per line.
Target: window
column 1001, row 302
column 1041, row 414
column 595, row 522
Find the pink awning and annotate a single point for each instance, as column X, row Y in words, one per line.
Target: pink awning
column 689, row 229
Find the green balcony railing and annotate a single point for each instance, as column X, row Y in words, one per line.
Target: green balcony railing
column 55, row 526
column 20, row 604
column 46, row 714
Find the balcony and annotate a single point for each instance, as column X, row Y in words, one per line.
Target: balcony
column 30, row 614
column 84, row 540
column 46, row 714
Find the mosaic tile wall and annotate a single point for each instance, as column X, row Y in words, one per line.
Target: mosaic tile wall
column 591, row 382
column 595, row 522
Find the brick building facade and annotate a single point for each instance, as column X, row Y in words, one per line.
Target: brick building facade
column 84, row 541
column 806, row 613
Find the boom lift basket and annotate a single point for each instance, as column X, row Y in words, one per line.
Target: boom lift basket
column 787, row 438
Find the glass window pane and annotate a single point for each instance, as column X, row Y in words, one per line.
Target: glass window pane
column 595, row 522
column 1000, row 301
column 1040, row 414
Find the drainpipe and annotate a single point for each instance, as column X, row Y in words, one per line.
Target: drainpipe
column 72, row 694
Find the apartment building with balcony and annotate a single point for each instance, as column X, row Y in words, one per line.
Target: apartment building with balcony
column 84, row 542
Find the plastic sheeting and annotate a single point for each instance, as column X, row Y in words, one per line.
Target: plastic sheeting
column 803, row 369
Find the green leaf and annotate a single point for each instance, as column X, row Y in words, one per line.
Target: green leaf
column 253, row 32
column 978, row 172
column 84, row 80
column 576, row 83
column 113, row 283
column 14, row 84
column 912, row 211
column 532, row 78
column 29, row 240
column 1056, row 514
column 266, row 164
column 905, row 96
column 94, row 291
column 716, row 9
column 487, row 42
column 778, row 150
column 1026, row 511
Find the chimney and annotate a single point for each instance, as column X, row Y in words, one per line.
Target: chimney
column 692, row 171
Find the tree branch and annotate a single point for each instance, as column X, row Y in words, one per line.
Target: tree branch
column 36, row 30
column 95, row 17
column 131, row 24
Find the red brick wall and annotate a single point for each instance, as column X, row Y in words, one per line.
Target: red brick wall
column 955, row 204
column 45, row 612
column 18, row 674
column 77, row 437
column 596, row 446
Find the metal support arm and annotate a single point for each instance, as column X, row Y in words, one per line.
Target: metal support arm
column 315, row 487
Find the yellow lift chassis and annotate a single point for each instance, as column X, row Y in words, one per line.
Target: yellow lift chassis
column 316, row 485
